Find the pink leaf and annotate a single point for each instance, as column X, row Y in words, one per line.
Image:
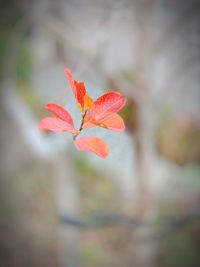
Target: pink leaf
column 71, row 81
column 92, row 144
column 56, row 125
column 60, row 112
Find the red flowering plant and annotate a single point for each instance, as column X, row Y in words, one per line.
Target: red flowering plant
column 101, row 112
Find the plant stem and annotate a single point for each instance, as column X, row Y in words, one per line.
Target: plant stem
column 81, row 126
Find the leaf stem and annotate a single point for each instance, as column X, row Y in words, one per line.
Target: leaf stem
column 81, row 126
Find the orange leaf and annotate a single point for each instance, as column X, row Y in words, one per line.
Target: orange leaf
column 88, row 102
column 108, row 120
column 111, row 121
column 92, row 144
column 89, row 122
column 56, row 125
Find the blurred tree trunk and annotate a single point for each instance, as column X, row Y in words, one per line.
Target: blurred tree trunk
column 67, row 200
column 144, row 251
column 150, row 48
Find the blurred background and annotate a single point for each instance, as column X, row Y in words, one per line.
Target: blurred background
column 139, row 207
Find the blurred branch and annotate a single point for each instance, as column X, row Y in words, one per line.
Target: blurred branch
column 99, row 220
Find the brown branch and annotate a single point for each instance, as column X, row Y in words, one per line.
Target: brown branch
column 81, row 126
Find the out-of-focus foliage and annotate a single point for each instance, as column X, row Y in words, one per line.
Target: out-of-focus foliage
column 93, row 255
column 178, row 139
column 23, row 63
column 130, row 112
column 182, row 248
column 96, row 190
column 10, row 15
column 130, row 115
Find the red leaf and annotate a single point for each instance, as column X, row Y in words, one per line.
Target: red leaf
column 60, row 112
column 92, row 144
column 56, row 125
column 109, row 102
column 80, row 92
column 78, row 89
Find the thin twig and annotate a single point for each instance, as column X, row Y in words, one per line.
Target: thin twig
column 81, row 126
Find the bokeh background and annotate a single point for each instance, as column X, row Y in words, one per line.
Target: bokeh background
column 60, row 207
